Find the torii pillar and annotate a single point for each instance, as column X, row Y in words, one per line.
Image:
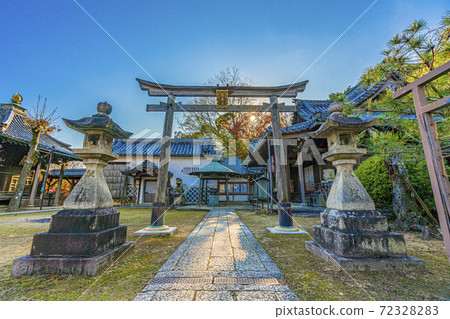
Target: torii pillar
column 285, row 221
column 157, row 226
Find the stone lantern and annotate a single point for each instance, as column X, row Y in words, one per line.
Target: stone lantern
column 99, row 131
column 353, row 233
column 85, row 237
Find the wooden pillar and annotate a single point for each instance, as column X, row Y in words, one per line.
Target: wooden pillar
column 45, row 179
column 203, row 191
column 301, row 176
column 34, row 188
column 288, row 180
column 199, row 191
column 227, row 190
column 269, row 168
column 206, row 192
column 135, row 191
column 250, row 188
column 284, row 206
column 159, row 205
column 60, row 181
column 433, row 155
column 280, row 161
column 200, row 194
column 138, row 190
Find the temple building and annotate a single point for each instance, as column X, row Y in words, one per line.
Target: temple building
column 15, row 140
column 309, row 179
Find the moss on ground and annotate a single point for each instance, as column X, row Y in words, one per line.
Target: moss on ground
column 310, row 278
column 313, row 279
column 123, row 281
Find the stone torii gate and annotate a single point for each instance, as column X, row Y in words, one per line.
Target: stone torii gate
column 222, row 93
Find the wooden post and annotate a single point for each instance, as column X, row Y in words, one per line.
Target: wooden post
column 288, row 180
column 163, row 172
column 269, row 168
column 301, row 176
column 433, row 154
column 250, row 189
column 200, row 194
column 135, row 192
column 206, row 193
column 203, row 192
column 284, row 206
column 45, row 179
column 227, row 190
column 34, row 188
column 280, row 161
column 199, row 191
column 60, row 181
column 430, row 141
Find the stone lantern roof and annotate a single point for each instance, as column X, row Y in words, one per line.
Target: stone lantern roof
column 98, row 122
column 340, row 122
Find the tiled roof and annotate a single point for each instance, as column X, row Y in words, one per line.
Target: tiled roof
column 228, row 166
column 300, row 127
column 235, row 164
column 70, row 172
column 146, row 166
column 308, row 109
column 5, row 114
column 13, row 127
column 179, row 147
column 214, row 168
column 362, row 92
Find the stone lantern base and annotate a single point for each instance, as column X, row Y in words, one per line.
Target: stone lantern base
column 360, row 240
column 79, row 242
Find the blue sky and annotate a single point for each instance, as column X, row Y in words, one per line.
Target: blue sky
column 54, row 49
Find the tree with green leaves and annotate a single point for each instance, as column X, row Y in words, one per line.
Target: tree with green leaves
column 409, row 55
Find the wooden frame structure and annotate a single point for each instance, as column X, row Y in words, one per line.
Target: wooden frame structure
column 172, row 91
column 430, row 140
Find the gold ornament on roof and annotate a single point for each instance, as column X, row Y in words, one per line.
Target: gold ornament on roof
column 17, row 98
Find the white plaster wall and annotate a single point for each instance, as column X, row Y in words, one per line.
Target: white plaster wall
column 176, row 165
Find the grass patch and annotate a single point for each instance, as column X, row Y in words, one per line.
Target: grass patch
column 123, row 281
column 313, row 279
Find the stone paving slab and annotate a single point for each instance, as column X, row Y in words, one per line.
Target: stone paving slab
column 232, row 287
column 214, row 295
column 255, row 296
column 178, row 295
column 225, row 273
column 219, row 260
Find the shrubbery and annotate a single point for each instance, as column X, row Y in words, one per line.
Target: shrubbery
column 374, row 176
column 420, row 181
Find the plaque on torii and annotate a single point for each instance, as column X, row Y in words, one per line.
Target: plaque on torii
column 222, row 93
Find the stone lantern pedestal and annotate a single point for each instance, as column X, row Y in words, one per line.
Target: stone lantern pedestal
column 85, row 237
column 353, row 233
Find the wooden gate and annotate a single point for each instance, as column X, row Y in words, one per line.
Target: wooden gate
column 431, row 144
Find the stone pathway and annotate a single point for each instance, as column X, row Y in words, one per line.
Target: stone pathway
column 219, row 260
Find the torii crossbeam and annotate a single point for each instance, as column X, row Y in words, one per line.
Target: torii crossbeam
column 222, row 93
